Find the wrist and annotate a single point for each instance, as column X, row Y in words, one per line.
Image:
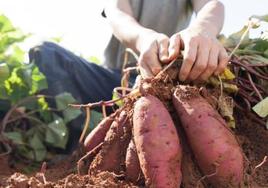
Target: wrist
column 205, row 29
column 142, row 36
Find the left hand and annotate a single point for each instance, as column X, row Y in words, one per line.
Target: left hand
column 203, row 54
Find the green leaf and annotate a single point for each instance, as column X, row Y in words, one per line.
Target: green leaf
column 57, row 133
column 261, row 108
column 5, row 24
column 265, row 53
column 16, row 137
column 115, row 96
column 26, row 152
column 95, row 118
column 42, row 103
column 4, row 72
column 262, row 18
column 15, row 87
column 3, row 93
column 234, row 38
column 70, row 114
column 38, row 147
column 259, row 45
column 39, row 81
column 34, row 79
column 10, row 38
column 63, row 99
column 16, row 56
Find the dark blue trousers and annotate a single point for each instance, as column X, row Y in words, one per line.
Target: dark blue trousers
column 66, row 72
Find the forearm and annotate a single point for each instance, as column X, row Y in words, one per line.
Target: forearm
column 210, row 17
column 126, row 29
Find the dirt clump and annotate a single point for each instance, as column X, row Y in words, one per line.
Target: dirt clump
column 103, row 179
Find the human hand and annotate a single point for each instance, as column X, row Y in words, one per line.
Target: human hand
column 153, row 48
column 203, row 54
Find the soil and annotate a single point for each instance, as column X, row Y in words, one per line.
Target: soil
column 252, row 137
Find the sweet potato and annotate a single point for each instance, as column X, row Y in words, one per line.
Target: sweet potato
column 133, row 170
column 97, row 135
column 157, row 143
column 112, row 154
column 216, row 149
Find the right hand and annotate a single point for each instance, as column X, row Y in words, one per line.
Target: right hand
column 153, row 48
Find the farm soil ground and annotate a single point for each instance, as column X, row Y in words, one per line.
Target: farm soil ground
column 252, row 137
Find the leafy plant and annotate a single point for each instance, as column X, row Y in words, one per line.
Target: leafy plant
column 249, row 62
column 29, row 126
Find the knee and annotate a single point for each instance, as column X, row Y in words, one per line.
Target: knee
column 42, row 48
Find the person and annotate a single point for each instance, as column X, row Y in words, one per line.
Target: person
column 157, row 30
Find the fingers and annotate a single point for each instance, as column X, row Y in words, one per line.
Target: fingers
column 151, row 56
column 145, row 70
column 203, row 57
column 201, row 61
column 174, row 46
column 149, row 63
column 190, row 52
column 163, row 43
column 212, row 63
column 223, row 61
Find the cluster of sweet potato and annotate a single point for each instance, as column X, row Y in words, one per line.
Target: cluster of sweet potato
column 142, row 143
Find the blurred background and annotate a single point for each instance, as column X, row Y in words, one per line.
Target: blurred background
column 79, row 25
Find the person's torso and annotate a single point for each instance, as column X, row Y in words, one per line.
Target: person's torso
column 163, row 16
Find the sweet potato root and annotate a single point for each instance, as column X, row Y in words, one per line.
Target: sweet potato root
column 112, row 154
column 97, row 135
column 157, row 143
column 133, row 170
column 215, row 147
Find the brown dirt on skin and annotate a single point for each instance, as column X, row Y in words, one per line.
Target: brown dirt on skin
column 112, row 154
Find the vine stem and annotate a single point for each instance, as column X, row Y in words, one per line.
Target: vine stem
column 13, row 108
column 167, row 67
column 87, row 121
column 263, row 161
column 106, row 103
column 86, row 156
column 241, row 40
column 249, row 69
column 254, row 87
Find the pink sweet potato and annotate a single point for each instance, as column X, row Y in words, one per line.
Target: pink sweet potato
column 216, row 149
column 97, row 135
column 157, row 143
column 133, row 170
column 113, row 152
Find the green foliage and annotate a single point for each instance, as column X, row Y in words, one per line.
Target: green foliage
column 95, row 118
column 30, row 124
column 115, row 96
column 261, row 108
column 234, row 38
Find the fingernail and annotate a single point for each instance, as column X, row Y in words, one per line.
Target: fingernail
column 164, row 58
